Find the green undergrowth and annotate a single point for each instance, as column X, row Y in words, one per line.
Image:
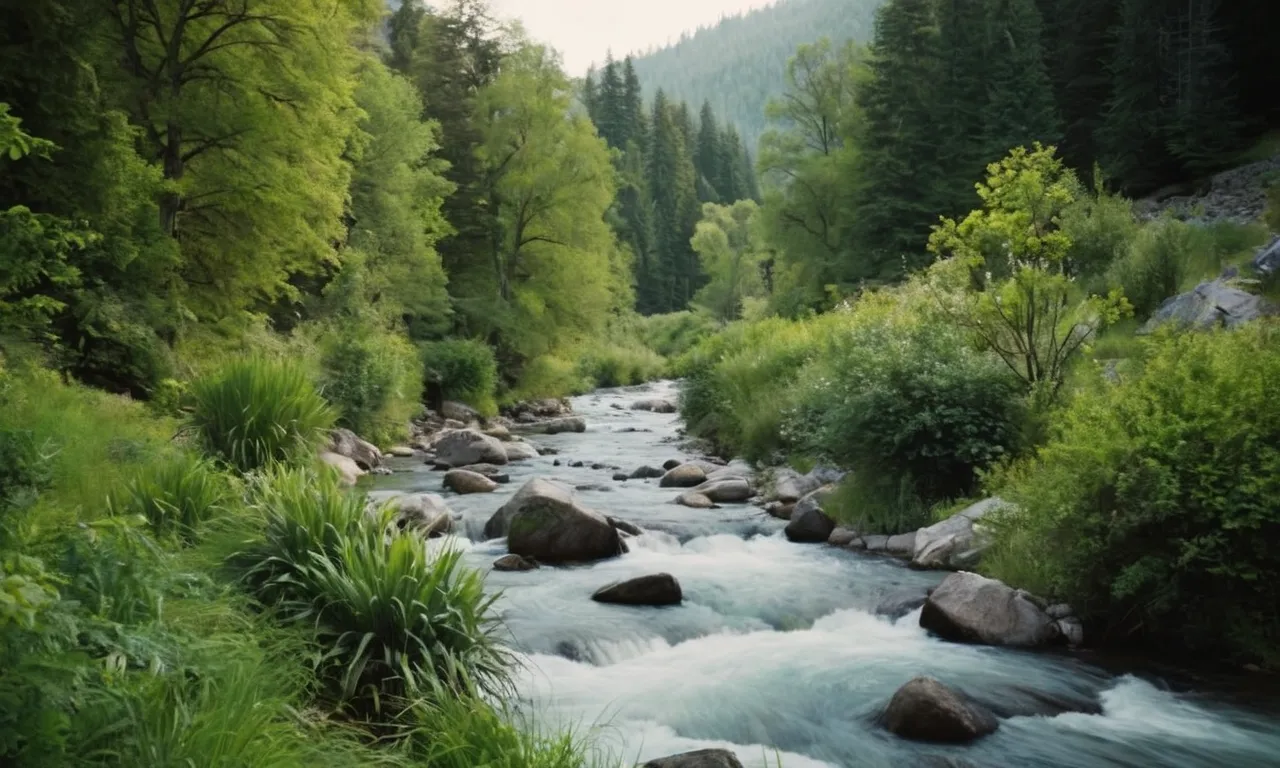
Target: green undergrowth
column 161, row 605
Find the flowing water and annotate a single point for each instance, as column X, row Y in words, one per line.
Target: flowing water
column 776, row 652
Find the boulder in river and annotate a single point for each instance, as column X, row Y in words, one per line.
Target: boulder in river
column 728, row 490
column 452, row 409
column 658, row 589
column 344, row 442
column 683, row 476
column 702, row 758
column 671, row 464
column 926, row 710
column 400, row 451
column 790, row 486
column 554, row 426
column 970, row 608
column 424, row 513
column 491, row 471
column 461, row 447
column 844, row 537
column 814, row 499
column 498, row 431
column 646, row 472
column 545, row 522
column 901, row 545
column 514, row 563
column 955, row 543
column 621, row 476
column 897, row 604
column 348, row 471
column 809, row 526
column 463, row 481
column 631, row 529
column 779, row 510
column 695, row 500
column 519, row 451
column 657, row 405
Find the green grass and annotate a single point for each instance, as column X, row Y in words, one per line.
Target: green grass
column 256, row 412
column 176, row 495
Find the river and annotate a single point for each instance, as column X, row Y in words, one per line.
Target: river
column 776, row 652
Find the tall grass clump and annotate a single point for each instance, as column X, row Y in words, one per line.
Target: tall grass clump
column 256, row 412
column 176, row 495
column 1151, row 507
column 461, row 732
column 461, row 369
column 619, row 365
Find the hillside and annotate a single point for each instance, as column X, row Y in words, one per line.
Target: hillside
column 738, row 64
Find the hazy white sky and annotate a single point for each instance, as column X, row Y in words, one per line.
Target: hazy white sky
column 584, row 30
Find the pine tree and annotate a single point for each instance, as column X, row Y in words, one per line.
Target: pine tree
column 898, row 193
column 963, row 41
column 708, row 159
column 1020, row 105
column 1202, row 128
column 591, row 96
column 675, row 273
column 632, row 105
column 1076, row 47
column 610, row 118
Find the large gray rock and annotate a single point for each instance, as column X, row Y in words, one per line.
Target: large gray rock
column 451, row 409
column 491, row 471
column 500, row 522
column 789, row 486
column 726, row 490
column 461, row 447
column 658, row 589
column 1211, row 304
column 424, row 513
column 695, row 500
column 553, row 426
column 344, row 442
column 1267, row 262
column 348, row 471
column 955, row 543
column 810, row 526
column 702, row 758
column 657, row 405
column 548, row 524
column 901, row 545
column 463, row 481
column 926, row 710
column 520, row 451
column 683, row 476
column 970, row 608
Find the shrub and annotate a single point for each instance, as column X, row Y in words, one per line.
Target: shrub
column 1153, row 507
column 548, row 376
column 915, row 412
column 176, row 496
column 373, row 380
column 618, row 365
column 462, row 369
column 671, row 335
column 24, row 467
column 1156, row 265
column 1100, row 228
column 257, row 412
column 464, row 733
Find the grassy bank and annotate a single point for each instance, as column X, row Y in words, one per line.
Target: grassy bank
column 198, row 592
column 1143, row 467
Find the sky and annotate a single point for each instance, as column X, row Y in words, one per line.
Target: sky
column 585, row 30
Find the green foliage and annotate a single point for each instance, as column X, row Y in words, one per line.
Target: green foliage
column 176, row 496
column 463, row 733
column 1150, row 507
column 373, row 379
column 673, row 334
column 619, row 365
column 916, row 412
column 256, row 412
column 24, row 468
column 1101, row 228
column 463, row 369
column 1157, row 264
column 548, row 375
column 727, row 242
column 1273, row 207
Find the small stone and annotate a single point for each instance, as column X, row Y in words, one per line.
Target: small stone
column 621, row 476
column 671, row 464
column 655, row 590
column 646, row 472
column 514, row 563
column 926, row 710
column 842, row 537
column 695, row 500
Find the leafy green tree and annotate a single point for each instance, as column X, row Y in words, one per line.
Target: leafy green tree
column 728, row 244
column 1028, row 311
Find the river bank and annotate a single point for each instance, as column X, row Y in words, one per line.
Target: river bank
column 776, row 651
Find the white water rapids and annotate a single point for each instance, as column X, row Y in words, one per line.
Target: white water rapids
column 776, row 652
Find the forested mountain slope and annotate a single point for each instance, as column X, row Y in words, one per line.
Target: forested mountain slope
column 739, row 64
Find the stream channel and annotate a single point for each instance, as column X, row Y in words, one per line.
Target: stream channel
column 776, row 652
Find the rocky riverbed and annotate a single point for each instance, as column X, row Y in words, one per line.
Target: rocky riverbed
column 713, row 631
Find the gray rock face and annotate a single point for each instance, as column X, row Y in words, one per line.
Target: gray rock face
column 876, row 542
column 451, row 409
column 895, row 605
column 425, row 513
column 789, row 487
column 695, row 500
column 702, row 758
column 545, row 522
column 645, row 473
column 554, row 426
column 537, row 488
column 954, row 543
column 1267, row 261
column 726, row 490
column 810, row 526
column 491, row 471
column 463, row 481
column 514, row 563
column 629, row 528
column 348, row 471
column 970, row 608
column 658, row 589
column 683, row 476
column 344, row 442
column 901, row 545
column 461, row 447
column 1212, row 304
column 842, row 537
column 520, row 451
column 657, row 405
column 926, row 710
column 499, row 431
